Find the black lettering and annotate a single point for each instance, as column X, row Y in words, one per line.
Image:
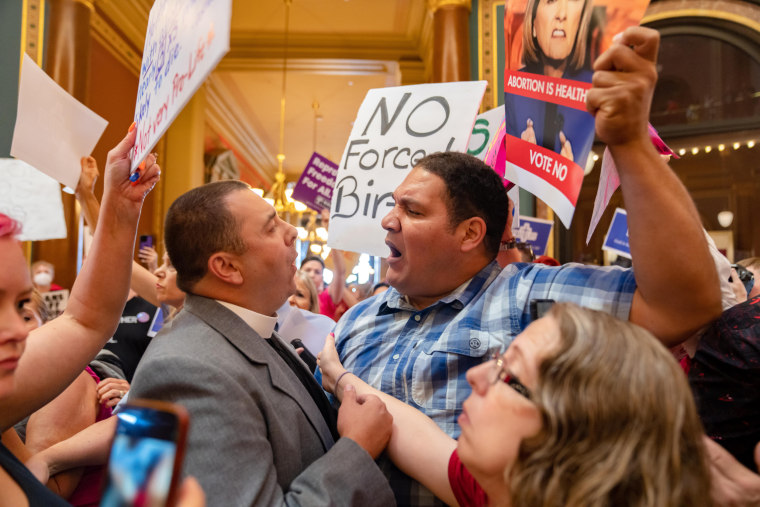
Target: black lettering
column 379, row 199
column 442, row 101
column 340, row 195
column 414, row 160
column 386, row 154
column 395, row 158
column 351, row 145
column 373, row 164
column 448, row 146
column 384, row 123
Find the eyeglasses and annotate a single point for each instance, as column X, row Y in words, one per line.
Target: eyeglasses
column 502, row 373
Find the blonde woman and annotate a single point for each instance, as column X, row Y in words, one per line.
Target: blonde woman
column 581, row 410
column 305, row 297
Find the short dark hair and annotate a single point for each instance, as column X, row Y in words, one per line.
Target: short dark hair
column 313, row 258
column 199, row 224
column 473, row 189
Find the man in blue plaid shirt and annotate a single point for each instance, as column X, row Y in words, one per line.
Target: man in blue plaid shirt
column 450, row 306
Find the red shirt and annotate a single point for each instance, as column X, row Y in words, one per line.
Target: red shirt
column 466, row 489
column 327, row 307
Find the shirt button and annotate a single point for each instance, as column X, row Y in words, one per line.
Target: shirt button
column 417, row 318
column 396, row 356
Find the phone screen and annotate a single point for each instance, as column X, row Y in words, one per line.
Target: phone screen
column 141, row 465
column 146, row 240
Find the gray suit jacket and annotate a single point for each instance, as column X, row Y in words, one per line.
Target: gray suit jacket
column 256, row 437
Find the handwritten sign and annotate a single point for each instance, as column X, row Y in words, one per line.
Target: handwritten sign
column 393, row 130
column 617, row 235
column 32, row 198
column 549, row 133
column 535, row 231
column 53, row 129
column 184, row 42
column 314, row 187
column 484, row 131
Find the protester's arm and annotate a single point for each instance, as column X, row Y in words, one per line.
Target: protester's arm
column 732, row 484
column 678, row 288
column 142, row 281
column 417, row 446
column 97, row 297
column 89, row 447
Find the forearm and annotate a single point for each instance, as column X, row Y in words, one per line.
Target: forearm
column 418, row 447
column 90, row 207
column 338, row 286
column 144, row 283
column 89, row 447
column 69, row 413
column 677, row 282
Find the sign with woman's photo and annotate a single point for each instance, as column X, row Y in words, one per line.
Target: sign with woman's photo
column 550, row 48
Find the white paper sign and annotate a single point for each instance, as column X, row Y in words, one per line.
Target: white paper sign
column 486, row 125
column 32, row 198
column 184, row 42
column 53, row 129
column 609, row 181
column 394, row 128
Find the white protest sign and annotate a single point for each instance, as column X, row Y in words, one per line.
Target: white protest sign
column 53, row 129
column 393, row 130
column 483, row 132
column 184, row 42
column 32, row 198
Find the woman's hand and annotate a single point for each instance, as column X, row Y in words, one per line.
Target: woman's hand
column 117, row 175
column 149, row 257
column 111, row 391
column 329, row 363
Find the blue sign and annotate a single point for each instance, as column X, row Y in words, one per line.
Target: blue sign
column 535, row 231
column 617, row 237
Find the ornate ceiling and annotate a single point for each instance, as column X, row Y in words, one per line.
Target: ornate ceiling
column 336, row 51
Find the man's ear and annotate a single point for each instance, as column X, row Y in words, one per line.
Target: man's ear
column 472, row 231
column 226, row 268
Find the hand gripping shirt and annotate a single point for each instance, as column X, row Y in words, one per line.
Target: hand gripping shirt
column 421, row 356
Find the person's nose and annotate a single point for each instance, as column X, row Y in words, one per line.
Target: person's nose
column 12, row 327
column 562, row 10
column 390, row 222
column 159, row 272
column 478, row 377
column 291, row 233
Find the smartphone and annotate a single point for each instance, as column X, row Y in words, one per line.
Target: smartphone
column 145, row 240
column 145, row 461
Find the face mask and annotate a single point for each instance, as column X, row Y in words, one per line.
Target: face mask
column 43, row 278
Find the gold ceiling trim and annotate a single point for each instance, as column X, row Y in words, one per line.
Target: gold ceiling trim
column 130, row 16
column 434, row 5
column 225, row 117
column 703, row 13
column 325, row 66
column 115, row 44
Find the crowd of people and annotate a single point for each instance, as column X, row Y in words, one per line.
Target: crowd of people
column 470, row 376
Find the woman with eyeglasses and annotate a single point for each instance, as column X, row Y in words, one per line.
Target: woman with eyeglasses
column 581, row 410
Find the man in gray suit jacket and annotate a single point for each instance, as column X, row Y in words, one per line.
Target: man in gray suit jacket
column 258, row 433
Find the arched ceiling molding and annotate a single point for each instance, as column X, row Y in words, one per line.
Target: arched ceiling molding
column 735, row 11
column 226, row 117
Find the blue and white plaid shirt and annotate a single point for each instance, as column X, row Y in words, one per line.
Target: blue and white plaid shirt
column 421, row 356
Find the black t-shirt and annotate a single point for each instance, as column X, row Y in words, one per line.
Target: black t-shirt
column 725, row 379
column 131, row 337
